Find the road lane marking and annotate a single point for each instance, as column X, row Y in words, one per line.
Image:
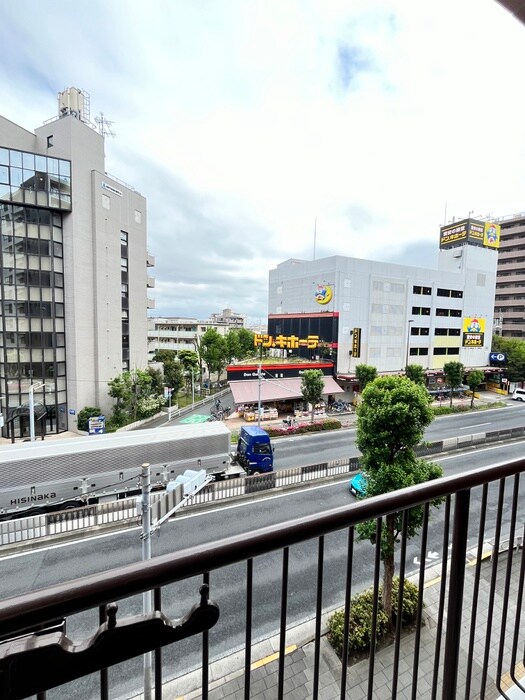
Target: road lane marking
column 476, row 425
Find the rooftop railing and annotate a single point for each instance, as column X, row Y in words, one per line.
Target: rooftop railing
column 469, row 622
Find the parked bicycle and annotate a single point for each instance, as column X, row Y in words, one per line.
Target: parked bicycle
column 219, row 413
column 340, row 407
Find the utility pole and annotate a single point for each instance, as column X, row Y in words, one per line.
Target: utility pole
column 147, row 605
column 259, row 380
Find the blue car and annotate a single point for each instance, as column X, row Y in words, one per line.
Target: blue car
column 357, row 485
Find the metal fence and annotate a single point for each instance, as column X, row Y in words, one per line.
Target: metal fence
column 125, row 511
column 466, row 639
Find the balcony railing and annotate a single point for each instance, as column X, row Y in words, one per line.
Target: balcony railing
column 467, row 642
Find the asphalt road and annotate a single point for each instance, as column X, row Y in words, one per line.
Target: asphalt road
column 35, row 570
column 321, row 447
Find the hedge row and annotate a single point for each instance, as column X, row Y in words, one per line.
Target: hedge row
column 330, row 424
column 360, row 626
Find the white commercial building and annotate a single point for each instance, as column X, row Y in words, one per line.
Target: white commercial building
column 387, row 315
column 74, row 269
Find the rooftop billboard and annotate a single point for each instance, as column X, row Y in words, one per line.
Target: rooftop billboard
column 480, row 233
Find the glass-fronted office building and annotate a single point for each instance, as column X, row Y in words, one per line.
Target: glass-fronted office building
column 73, row 288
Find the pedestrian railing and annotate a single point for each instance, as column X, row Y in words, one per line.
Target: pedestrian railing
column 467, row 641
column 126, row 511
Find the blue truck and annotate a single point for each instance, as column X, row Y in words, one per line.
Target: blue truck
column 254, row 450
column 254, row 455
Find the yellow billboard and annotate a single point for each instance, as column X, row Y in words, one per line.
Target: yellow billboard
column 453, row 234
column 491, row 235
column 473, row 332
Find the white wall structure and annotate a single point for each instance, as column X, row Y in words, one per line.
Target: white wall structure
column 403, row 312
column 99, row 229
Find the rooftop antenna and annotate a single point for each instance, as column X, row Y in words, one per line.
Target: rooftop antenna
column 105, row 127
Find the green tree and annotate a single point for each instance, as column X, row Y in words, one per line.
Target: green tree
column 121, row 389
column 233, row 347
column 391, row 421
column 416, row 373
column 172, row 374
column 312, row 387
column 474, row 380
column 157, row 382
column 165, row 356
column 365, row 374
column 189, row 361
column 514, row 348
column 453, row 372
column 135, row 396
column 213, row 352
column 246, row 346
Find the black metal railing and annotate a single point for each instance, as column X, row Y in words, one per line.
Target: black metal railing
column 467, row 640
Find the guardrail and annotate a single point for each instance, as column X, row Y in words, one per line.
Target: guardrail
column 21, row 530
column 466, row 638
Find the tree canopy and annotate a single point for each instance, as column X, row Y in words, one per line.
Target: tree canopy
column 474, row 380
column 312, row 387
column 391, row 421
column 514, row 348
column 212, row 351
column 416, row 373
column 453, row 372
column 136, row 396
column 365, row 374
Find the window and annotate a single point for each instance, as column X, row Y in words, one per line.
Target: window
column 417, row 289
column 446, row 351
column 419, row 331
column 123, row 238
column 124, row 264
column 456, row 313
column 454, row 293
column 419, row 351
column 421, row 311
column 447, row 331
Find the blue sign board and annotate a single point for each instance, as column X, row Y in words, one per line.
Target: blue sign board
column 97, row 425
column 497, row 358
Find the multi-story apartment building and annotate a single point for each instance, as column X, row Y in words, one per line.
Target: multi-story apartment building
column 509, row 302
column 175, row 333
column 230, row 318
column 181, row 333
column 74, row 271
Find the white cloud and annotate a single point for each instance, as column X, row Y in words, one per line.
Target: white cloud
column 243, row 123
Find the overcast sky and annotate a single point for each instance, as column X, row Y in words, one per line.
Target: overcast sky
column 245, row 122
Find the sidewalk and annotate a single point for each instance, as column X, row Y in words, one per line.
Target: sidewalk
column 227, row 675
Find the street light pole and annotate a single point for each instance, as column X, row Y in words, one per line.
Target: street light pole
column 147, row 606
column 259, row 378
column 32, row 388
column 259, row 373
column 408, row 341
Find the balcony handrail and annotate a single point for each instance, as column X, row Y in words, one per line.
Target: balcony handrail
column 36, row 608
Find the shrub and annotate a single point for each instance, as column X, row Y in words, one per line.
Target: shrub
column 84, row 415
column 360, row 624
column 331, row 424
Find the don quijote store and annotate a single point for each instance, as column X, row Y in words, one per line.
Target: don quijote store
column 298, row 342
